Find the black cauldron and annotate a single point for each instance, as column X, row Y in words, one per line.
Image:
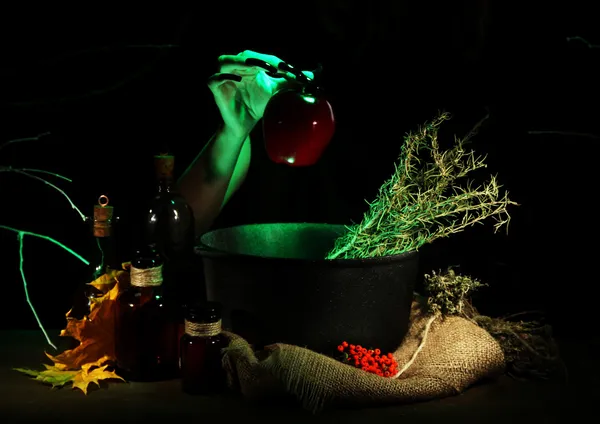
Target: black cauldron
column 275, row 286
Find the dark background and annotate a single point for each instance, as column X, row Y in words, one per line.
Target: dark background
column 389, row 67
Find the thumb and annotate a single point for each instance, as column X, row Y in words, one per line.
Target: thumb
column 216, row 80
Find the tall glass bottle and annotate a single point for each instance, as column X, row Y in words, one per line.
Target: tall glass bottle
column 102, row 257
column 169, row 225
column 146, row 342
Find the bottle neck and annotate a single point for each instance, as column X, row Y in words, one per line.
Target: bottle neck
column 106, row 251
column 102, row 250
column 164, row 184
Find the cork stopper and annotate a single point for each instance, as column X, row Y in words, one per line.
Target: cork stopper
column 103, row 215
column 163, row 165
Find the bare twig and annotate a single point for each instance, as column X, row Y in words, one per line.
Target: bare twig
column 35, row 177
column 523, row 313
column 584, row 41
column 20, row 237
column 41, row 171
column 21, row 140
column 477, row 127
column 102, row 91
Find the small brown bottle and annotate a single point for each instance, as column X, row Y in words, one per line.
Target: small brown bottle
column 201, row 359
column 145, row 324
column 103, row 258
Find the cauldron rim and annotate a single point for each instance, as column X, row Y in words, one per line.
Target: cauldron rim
column 204, row 250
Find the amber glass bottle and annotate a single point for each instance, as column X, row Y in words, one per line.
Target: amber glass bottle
column 102, row 256
column 201, row 369
column 145, row 324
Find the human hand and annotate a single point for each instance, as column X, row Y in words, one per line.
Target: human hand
column 245, row 84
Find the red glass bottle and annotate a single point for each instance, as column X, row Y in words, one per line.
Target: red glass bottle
column 298, row 123
column 201, row 358
column 145, row 324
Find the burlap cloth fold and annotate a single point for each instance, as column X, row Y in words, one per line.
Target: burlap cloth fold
column 455, row 354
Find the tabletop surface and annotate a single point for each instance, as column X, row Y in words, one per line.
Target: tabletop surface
column 25, row 400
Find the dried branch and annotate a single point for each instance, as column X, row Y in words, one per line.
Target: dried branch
column 21, row 140
column 20, row 237
column 41, row 171
column 28, row 173
column 102, row 91
column 584, row 41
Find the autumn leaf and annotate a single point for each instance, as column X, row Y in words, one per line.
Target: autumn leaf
column 93, row 373
column 51, row 375
column 94, row 332
column 81, row 379
column 88, row 362
column 105, row 282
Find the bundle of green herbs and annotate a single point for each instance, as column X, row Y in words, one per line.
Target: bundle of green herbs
column 429, row 197
column 424, row 200
column 530, row 350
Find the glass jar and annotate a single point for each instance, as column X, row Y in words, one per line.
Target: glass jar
column 201, row 358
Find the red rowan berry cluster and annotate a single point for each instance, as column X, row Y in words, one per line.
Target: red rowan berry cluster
column 370, row 360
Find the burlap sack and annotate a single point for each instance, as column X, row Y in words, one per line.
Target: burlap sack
column 455, row 354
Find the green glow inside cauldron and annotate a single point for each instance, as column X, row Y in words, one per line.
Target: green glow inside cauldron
column 288, row 240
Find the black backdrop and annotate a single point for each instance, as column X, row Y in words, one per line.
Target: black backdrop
column 389, row 66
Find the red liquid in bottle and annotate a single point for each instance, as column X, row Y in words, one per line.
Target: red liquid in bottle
column 201, row 358
column 146, row 327
column 297, row 127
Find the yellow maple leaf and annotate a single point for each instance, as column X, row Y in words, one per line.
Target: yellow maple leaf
column 93, row 373
column 105, row 282
column 81, row 379
column 95, row 332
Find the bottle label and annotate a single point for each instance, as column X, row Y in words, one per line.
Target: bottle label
column 195, row 329
column 150, row 277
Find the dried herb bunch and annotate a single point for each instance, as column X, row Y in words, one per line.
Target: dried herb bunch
column 423, row 200
column 529, row 348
